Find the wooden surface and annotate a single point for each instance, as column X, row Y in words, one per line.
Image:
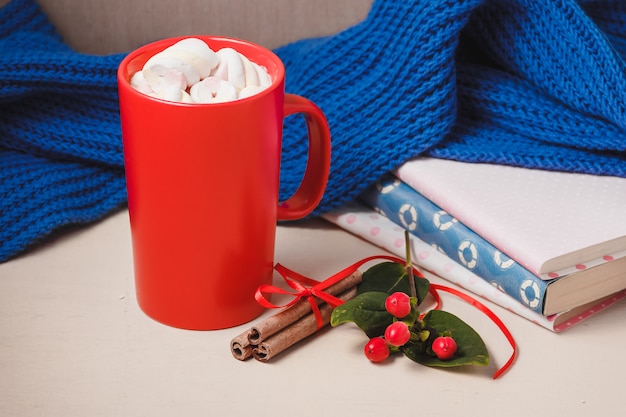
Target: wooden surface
column 73, row 342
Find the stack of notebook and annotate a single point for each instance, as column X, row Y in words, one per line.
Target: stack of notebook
column 549, row 246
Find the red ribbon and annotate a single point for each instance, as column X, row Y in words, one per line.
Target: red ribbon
column 316, row 289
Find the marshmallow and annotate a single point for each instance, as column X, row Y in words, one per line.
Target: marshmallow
column 138, row 81
column 250, row 90
column 191, row 57
column 189, row 71
column 173, row 93
column 160, row 77
column 206, row 59
column 250, row 74
column 264, row 77
column 202, row 68
column 158, row 71
column 231, row 68
column 213, row 90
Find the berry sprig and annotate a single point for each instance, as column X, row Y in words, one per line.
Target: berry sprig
column 389, row 316
column 401, row 331
column 386, row 309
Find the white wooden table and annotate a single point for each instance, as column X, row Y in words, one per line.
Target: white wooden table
column 73, row 342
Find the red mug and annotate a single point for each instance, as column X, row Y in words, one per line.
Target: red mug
column 203, row 184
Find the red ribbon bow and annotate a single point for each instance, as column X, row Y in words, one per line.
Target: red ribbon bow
column 309, row 288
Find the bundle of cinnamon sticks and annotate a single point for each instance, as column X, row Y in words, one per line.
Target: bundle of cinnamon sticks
column 291, row 325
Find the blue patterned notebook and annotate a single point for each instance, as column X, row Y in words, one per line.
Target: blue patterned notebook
column 412, row 211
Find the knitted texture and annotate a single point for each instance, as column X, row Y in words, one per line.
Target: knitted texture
column 537, row 84
column 61, row 160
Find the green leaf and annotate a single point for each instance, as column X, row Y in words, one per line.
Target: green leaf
column 389, row 277
column 365, row 310
column 471, row 349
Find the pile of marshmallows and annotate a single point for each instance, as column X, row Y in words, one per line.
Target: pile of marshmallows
column 191, row 72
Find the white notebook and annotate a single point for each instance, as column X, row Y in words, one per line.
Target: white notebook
column 550, row 222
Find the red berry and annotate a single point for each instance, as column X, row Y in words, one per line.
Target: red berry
column 398, row 304
column 397, row 333
column 444, row 347
column 376, row 350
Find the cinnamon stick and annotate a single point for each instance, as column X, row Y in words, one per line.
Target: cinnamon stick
column 284, row 318
column 240, row 346
column 243, row 345
column 301, row 329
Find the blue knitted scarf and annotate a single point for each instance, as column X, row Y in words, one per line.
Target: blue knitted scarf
column 538, row 84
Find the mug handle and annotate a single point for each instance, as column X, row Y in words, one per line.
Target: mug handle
column 311, row 189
